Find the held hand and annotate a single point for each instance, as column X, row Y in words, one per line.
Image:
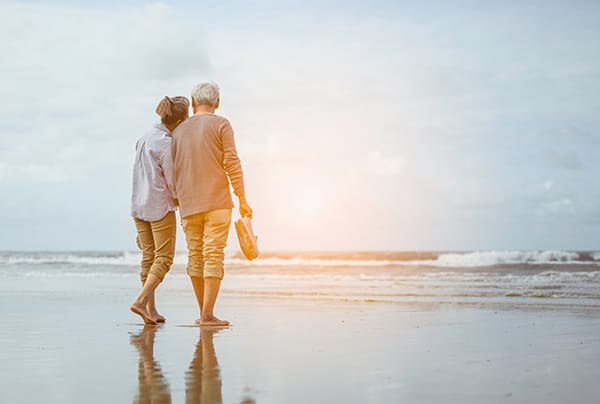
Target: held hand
column 245, row 210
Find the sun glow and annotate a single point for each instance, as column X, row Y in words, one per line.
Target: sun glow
column 305, row 205
column 308, row 204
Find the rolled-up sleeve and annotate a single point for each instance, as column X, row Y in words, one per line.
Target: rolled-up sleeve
column 231, row 161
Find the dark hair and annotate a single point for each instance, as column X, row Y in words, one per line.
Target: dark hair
column 172, row 110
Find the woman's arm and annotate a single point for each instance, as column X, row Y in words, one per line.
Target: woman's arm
column 167, row 167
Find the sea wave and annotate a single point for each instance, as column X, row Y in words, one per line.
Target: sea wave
column 121, row 258
column 302, row 260
column 390, row 284
column 493, row 258
column 441, row 260
column 133, row 259
column 538, row 279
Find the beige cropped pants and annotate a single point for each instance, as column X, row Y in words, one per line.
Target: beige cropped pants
column 206, row 235
column 157, row 241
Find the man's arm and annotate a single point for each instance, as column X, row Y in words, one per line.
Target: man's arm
column 233, row 167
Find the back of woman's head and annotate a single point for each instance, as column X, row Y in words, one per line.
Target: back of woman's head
column 173, row 109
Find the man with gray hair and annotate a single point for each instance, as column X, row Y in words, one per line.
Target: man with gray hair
column 205, row 163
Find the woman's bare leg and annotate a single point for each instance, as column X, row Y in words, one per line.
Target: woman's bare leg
column 139, row 305
column 151, row 307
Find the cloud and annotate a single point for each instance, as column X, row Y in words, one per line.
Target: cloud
column 566, row 160
column 380, row 164
column 557, row 207
column 79, row 87
column 59, row 46
column 77, row 77
column 421, row 129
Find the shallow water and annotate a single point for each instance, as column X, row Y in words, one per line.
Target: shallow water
column 550, row 278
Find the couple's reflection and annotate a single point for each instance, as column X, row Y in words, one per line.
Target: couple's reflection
column 202, row 379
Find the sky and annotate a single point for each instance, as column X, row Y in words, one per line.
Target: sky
column 380, row 125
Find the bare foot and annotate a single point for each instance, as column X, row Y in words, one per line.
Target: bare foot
column 140, row 310
column 211, row 321
column 155, row 316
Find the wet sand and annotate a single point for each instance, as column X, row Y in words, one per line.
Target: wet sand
column 77, row 341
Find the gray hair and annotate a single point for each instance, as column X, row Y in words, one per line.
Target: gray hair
column 206, row 93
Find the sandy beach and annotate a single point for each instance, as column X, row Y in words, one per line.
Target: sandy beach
column 74, row 340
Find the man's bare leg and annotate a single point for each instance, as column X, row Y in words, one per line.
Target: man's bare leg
column 198, row 284
column 211, row 291
column 139, row 305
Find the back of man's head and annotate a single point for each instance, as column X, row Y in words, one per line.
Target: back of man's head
column 206, row 93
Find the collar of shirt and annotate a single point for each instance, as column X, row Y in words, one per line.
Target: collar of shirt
column 162, row 128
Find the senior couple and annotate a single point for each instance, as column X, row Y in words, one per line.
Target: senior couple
column 186, row 162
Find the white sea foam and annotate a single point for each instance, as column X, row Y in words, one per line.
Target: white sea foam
column 133, row 259
column 312, row 262
column 475, row 279
column 125, row 258
column 445, row 260
column 396, row 283
column 492, row 258
column 72, row 274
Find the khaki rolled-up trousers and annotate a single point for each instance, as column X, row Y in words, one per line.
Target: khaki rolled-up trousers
column 156, row 239
column 206, row 235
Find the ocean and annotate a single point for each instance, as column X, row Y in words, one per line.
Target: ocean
column 351, row 327
column 536, row 278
